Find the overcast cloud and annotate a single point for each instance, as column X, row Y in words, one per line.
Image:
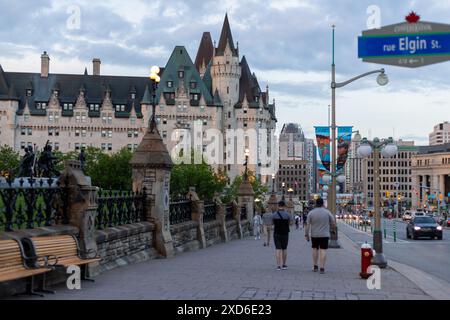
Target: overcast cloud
column 286, row 42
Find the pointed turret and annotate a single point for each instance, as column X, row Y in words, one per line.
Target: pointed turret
column 205, row 53
column 226, row 38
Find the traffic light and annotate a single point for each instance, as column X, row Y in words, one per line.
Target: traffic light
column 399, row 197
column 388, row 194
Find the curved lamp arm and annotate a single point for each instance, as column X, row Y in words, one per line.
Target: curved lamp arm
column 335, row 85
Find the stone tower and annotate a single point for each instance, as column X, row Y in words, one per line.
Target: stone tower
column 226, row 70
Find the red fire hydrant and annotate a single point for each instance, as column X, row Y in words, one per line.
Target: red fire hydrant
column 366, row 258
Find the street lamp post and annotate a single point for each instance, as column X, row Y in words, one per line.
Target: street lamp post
column 387, row 148
column 382, row 80
column 283, row 185
column 273, row 183
column 247, row 153
column 154, row 76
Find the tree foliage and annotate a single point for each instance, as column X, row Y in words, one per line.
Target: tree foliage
column 201, row 176
column 9, row 159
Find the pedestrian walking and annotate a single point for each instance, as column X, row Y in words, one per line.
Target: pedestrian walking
column 304, row 216
column 297, row 221
column 281, row 221
column 267, row 227
column 318, row 225
column 257, row 224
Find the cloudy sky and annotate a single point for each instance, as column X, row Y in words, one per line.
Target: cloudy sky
column 286, row 42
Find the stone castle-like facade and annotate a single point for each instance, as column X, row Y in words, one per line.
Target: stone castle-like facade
column 218, row 91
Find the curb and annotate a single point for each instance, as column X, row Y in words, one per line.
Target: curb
column 432, row 286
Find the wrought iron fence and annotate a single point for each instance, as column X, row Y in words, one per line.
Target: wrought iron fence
column 244, row 213
column 26, row 203
column 180, row 211
column 117, row 208
column 229, row 212
column 210, row 211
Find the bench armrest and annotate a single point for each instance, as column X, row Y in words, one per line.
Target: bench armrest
column 89, row 254
column 46, row 261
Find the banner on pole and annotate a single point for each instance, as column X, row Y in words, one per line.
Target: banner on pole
column 323, row 145
column 344, row 140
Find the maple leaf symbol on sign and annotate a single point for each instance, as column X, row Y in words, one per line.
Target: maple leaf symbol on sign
column 412, row 17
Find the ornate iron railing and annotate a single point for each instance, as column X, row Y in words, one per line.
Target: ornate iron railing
column 26, row 203
column 180, row 211
column 244, row 213
column 210, row 211
column 229, row 212
column 117, row 208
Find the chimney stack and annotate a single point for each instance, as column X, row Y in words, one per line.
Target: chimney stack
column 45, row 65
column 96, row 66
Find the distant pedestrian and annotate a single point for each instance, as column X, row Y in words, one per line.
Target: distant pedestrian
column 319, row 223
column 304, row 216
column 297, row 221
column 257, row 224
column 267, row 227
column 281, row 220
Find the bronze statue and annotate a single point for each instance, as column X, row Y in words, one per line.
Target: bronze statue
column 82, row 159
column 26, row 168
column 47, row 162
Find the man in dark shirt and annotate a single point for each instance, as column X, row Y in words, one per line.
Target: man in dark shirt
column 281, row 221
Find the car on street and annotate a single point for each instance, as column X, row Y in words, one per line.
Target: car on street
column 365, row 220
column 407, row 216
column 423, row 227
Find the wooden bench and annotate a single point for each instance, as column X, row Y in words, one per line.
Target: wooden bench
column 13, row 265
column 64, row 251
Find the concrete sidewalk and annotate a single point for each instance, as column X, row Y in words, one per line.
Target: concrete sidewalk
column 245, row 269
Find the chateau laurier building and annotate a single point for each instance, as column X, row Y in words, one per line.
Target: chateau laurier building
column 218, row 91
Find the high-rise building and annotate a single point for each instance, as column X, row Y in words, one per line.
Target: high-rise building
column 295, row 146
column 294, row 174
column 395, row 175
column 440, row 134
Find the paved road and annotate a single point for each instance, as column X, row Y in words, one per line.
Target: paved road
column 244, row 269
column 430, row 256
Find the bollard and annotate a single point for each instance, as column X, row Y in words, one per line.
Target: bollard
column 365, row 226
column 385, row 233
column 395, row 232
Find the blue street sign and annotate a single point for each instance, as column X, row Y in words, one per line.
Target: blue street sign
column 410, row 45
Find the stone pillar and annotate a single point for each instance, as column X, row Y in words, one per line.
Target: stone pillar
column 415, row 191
column 273, row 203
column 220, row 216
column 151, row 165
column 237, row 217
column 82, row 206
column 246, row 197
column 198, row 209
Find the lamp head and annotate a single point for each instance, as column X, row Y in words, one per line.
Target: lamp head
column 247, row 152
column 273, row 176
column 326, row 178
column 155, row 70
column 382, row 79
column 364, row 150
column 340, row 179
column 389, row 151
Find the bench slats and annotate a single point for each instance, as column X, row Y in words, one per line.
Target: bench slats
column 13, row 275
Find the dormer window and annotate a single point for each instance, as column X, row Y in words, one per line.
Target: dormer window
column 193, row 84
column 245, row 110
column 181, row 74
column 55, row 93
column 68, row 106
column 194, row 96
column 29, row 92
column 94, row 107
column 120, row 108
column 41, row 105
column 133, row 96
column 256, row 99
column 169, row 84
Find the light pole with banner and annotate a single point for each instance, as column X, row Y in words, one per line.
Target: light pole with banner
column 382, row 81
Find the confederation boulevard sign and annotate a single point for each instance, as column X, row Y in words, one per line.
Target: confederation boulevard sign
column 411, row 44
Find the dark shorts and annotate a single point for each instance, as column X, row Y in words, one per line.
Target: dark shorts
column 281, row 241
column 321, row 243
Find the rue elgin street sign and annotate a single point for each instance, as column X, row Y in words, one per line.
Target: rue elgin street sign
column 411, row 44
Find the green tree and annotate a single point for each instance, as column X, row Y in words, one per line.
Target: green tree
column 201, row 176
column 258, row 188
column 9, row 159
